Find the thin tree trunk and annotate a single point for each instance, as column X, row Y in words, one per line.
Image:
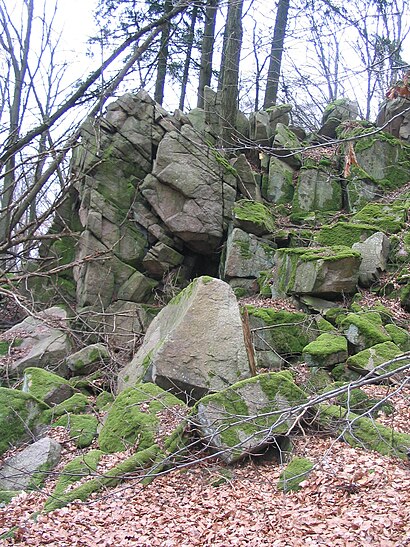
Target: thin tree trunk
column 208, row 39
column 229, row 99
column 185, row 75
column 278, row 40
column 163, row 58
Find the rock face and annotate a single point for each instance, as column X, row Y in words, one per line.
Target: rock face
column 190, row 191
column 26, row 469
column 195, row 344
column 233, row 423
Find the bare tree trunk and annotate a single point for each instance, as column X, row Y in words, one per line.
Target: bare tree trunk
column 230, row 69
column 208, row 39
column 19, row 69
column 163, row 58
column 185, row 75
column 271, row 93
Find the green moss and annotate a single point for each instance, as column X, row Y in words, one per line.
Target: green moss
column 5, row 497
column 344, row 233
column 223, row 161
column 133, row 417
column 363, row 432
column 81, row 427
column 326, row 344
column 264, row 283
column 75, row 405
column 244, row 248
column 114, row 476
column 323, row 325
column 317, row 380
column 389, row 218
column 399, row 336
column 296, row 472
column 5, row 345
column 19, row 414
column 40, row 382
column 289, row 332
column 341, row 373
column 378, row 354
column 239, row 292
column 74, row 471
column 369, row 326
column 237, row 422
column 330, row 254
column 103, row 400
column 256, row 213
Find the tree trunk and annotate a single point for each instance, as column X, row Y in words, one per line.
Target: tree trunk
column 275, row 62
column 208, row 39
column 230, row 69
column 163, row 57
column 190, row 45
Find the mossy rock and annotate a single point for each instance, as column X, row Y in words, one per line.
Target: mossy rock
column 296, row 472
column 76, row 404
column 399, row 336
column 41, row 383
column 246, row 417
column 388, row 218
column 318, row 379
column 82, row 428
column 357, row 401
column 88, row 359
column 362, row 432
column 364, row 330
column 133, row 417
column 321, row 271
column 340, row 373
column 325, row 351
column 253, row 217
column 134, row 464
column 20, row 414
column 74, row 471
column 367, row 360
column 104, row 399
column 286, row 333
column 344, row 233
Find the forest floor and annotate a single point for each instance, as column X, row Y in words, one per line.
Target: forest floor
column 352, row 498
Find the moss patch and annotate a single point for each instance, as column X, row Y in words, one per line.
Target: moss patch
column 133, row 417
column 364, row 329
column 255, row 213
column 389, row 218
column 289, row 332
column 19, row 414
column 74, row 471
column 344, row 233
column 82, row 428
column 39, row 382
column 368, row 359
column 363, row 432
column 296, row 472
column 114, row 476
column 75, row 405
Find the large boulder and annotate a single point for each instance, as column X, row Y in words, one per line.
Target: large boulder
column 45, row 343
column 194, row 345
column 246, row 417
column 317, row 189
column 29, row 468
column 277, row 183
column 192, row 188
column 321, row 271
